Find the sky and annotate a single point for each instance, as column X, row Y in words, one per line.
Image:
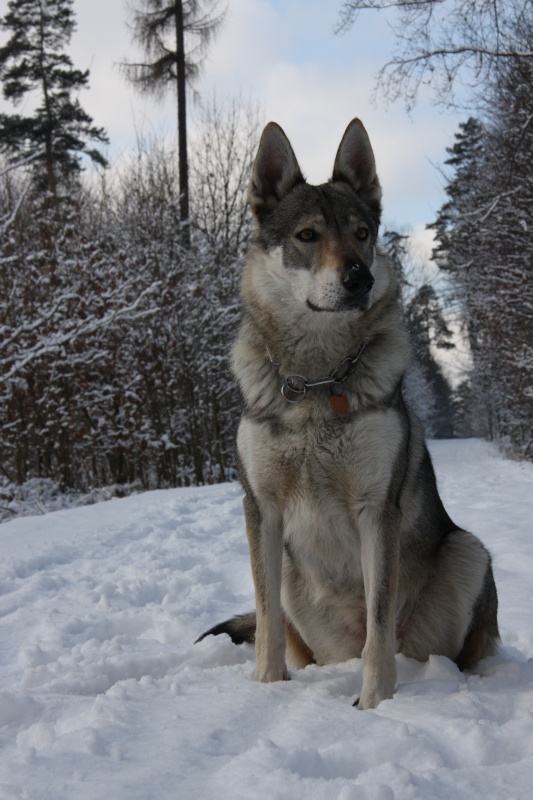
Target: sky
column 282, row 55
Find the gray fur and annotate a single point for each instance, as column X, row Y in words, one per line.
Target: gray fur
column 352, row 551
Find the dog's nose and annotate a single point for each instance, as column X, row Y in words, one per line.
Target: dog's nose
column 357, row 279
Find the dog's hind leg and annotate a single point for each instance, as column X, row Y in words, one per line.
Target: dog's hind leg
column 298, row 654
column 483, row 635
column 456, row 615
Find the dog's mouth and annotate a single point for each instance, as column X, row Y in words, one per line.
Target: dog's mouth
column 316, row 308
column 351, row 305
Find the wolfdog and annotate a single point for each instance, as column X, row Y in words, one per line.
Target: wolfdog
column 352, row 551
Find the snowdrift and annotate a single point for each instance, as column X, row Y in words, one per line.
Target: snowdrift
column 103, row 694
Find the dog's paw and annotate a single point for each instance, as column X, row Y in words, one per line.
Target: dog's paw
column 376, row 687
column 271, row 674
column 379, row 678
column 371, row 698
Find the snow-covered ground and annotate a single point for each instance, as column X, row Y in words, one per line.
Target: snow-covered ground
column 103, row 694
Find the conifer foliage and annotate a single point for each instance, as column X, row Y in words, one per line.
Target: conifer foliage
column 426, row 387
column 33, row 62
column 174, row 36
column 484, row 241
column 484, row 49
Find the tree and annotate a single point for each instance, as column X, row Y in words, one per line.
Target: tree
column 429, row 331
column 114, row 368
column 484, row 242
column 442, row 41
column 466, row 157
column 33, row 61
column 223, row 152
column 174, row 35
column 426, row 387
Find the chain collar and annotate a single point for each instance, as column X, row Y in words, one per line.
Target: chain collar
column 294, row 388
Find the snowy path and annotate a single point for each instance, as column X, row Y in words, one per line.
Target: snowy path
column 103, row 695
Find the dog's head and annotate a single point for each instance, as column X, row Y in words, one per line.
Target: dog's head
column 322, row 238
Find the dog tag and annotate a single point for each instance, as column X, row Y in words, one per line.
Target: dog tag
column 339, row 404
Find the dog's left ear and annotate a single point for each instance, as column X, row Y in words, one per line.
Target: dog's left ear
column 355, row 164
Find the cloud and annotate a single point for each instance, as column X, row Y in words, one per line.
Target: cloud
column 283, row 56
column 313, row 84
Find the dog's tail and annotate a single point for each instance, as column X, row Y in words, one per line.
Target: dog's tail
column 240, row 629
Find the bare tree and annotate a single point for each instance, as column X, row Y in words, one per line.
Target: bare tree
column 223, row 153
column 441, row 42
column 174, row 35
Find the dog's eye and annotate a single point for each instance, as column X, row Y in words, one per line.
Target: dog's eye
column 362, row 233
column 307, row 235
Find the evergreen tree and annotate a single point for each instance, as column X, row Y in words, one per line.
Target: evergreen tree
column 395, row 246
column 174, row 35
column 454, row 219
column 33, row 61
column 429, row 330
column 484, row 241
column 426, row 388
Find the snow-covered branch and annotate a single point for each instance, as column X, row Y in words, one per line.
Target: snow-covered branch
column 53, row 343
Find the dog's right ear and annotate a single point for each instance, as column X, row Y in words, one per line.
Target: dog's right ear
column 275, row 171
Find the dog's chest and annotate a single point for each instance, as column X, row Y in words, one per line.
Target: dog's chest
column 317, row 478
column 340, row 467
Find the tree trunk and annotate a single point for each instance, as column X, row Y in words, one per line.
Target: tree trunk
column 182, row 124
column 49, row 156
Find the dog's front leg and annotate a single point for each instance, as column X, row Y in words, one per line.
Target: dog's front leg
column 380, row 557
column 264, row 532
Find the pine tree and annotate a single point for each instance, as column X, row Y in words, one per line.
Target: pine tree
column 174, row 35
column 33, row 62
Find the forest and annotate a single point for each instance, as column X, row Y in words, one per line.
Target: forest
column 119, row 287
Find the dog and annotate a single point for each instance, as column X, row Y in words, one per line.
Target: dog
column 352, row 552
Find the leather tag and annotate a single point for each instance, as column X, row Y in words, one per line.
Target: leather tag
column 339, row 405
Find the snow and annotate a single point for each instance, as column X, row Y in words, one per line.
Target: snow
column 39, row 495
column 104, row 695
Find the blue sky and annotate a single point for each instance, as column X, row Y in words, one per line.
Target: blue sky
column 283, row 55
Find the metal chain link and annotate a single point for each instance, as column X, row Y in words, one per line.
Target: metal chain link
column 298, row 384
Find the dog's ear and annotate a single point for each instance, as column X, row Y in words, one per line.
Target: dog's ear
column 275, row 171
column 355, row 164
